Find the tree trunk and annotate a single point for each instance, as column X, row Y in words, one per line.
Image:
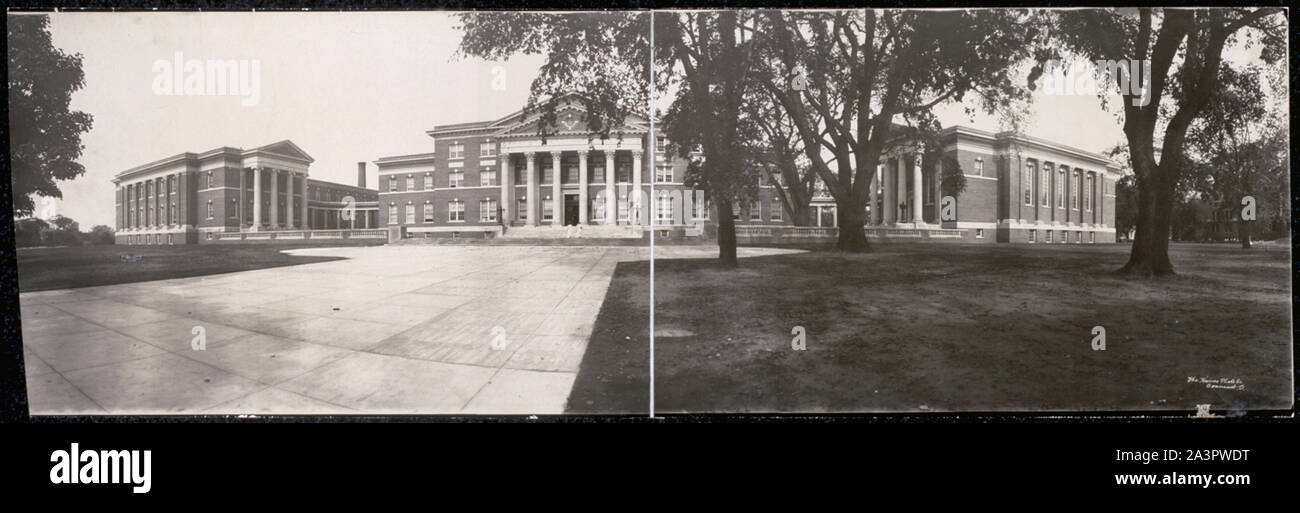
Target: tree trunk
column 853, row 238
column 1243, row 233
column 726, row 232
column 1150, row 254
column 800, row 216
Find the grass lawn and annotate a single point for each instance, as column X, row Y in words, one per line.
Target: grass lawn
column 85, row 266
column 916, row 327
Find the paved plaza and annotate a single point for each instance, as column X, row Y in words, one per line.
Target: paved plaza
column 390, row 329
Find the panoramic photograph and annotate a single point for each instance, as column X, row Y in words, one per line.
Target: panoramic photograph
column 647, row 212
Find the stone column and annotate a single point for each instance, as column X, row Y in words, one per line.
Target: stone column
column 634, row 208
column 507, row 187
column 582, row 187
column 557, row 194
column 303, row 220
column 126, row 205
column 533, row 190
column 888, row 207
column 257, row 199
column 875, row 185
column 900, row 197
column 916, row 207
column 288, row 199
column 611, row 201
column 937, row 184
column 275, row 198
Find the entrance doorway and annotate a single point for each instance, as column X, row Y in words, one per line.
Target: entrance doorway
column 570, row 209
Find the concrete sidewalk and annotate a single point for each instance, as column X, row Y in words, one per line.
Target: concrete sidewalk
column 391, row 329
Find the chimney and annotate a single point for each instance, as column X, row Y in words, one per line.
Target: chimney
column 361, row 175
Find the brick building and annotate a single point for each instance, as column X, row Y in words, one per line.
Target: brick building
column 194, row 198
column 483, row 175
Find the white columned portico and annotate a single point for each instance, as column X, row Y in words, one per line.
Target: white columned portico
column 634, row 208
column 557, row 191
column 582, row 187
column 611, row 201
column 533, row 189
column 917, row 208
column 257, row 199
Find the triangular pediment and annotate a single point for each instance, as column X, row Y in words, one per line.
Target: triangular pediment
column 284, row 148
column 571, row 118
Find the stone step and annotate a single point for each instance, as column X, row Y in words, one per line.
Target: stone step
column 573, row 232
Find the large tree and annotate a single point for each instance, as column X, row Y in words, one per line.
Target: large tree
column 1184, row 49
column 1239, row 145
column 869, row 72
column 601, row 59
column 706, row 57
column 44, row 134
column 772, row 145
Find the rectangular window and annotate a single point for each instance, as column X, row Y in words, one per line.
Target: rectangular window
column 487, row 210
column 1043, row 187
column 428, row 181
column 410, row 183
column 1060, row 187
column 735, row 210
column 755, row 211
column 1029, row 184
column 392, row 183
column 661, row 145
column 1032, row 233
column 487, row 176
column 392, row 214
column 701, row 210
column 664, row 209
column 455, row 178
column 624, row 173
column 776, row 210
column 979, row 233
column 456, row 151
column 664, row 173
column 521, row 209
column 1077, row 193
column 456, row 210
column 487, row 149
column 979, row 167
column 1048, row 236
column 428, row 212
column 209, row 179
column 410, row 213
column 1078, row 236
column 547, row 209
column 622, row 210
column 1087, row 205
column 210, row 214
column 1092, row 237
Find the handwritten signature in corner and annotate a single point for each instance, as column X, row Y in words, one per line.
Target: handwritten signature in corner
column 1219, row 383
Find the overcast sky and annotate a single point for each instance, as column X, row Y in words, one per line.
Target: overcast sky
column 345, row 87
